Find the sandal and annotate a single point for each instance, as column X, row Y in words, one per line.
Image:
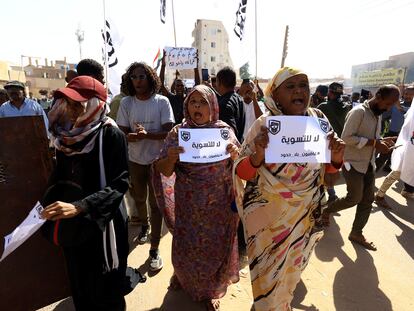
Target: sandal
column 174, row 283
column 212, row 305
column 360, row 239
column 381, row 202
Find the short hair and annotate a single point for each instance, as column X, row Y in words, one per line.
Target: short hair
column 323, row 89
column 387, row 90
column 152, row 77
column 227, row 77
column 90, row 67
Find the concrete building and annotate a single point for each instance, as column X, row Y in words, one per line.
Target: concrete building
column 212, row 41
column 400, row 61
column 49, row 76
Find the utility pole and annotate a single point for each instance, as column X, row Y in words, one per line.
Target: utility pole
column 80, row 34
column 285, row 46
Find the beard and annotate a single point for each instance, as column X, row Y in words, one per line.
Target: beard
column 377, row 111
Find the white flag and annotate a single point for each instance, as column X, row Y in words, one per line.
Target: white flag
column 240, row 19
column 163, row 5
column 112, row 41
column 402, row 156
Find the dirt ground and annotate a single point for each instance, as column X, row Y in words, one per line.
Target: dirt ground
column 340, row 276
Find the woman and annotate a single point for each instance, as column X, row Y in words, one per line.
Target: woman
column 197, row 207
column 83, row 135
column 280, row 202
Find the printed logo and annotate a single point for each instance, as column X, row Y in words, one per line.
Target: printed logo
column 225, row 134
column 324, row 125
column 185, row 136
column 274, row 126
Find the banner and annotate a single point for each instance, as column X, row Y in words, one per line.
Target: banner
column 378, row 78
column 203, row 145
column 181, row 58
column 240, row 19
column 296, row 139
column 112, row 41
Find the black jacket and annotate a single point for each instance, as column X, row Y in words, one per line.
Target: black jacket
column 231, row 111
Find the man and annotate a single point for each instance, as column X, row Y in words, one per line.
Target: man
column 146, row 118
column 355, row 99
column 116, row 101
column 396, row 118
column 252, row 110
column 19, row 105
column 70, row 75
column 335, row 110
column 178, row 95
column 90, row 67
column 362, row 137
column 319, row 96
column 231, row 106
column 3, row 96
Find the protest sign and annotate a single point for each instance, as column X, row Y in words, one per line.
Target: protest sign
column 181, row 58
column 203, row 145
column 297, row 139
column 25, row 230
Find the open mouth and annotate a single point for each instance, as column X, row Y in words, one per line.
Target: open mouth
column 198, row 115
column 298, row 101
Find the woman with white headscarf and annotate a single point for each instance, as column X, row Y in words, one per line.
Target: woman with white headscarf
column 279, row 203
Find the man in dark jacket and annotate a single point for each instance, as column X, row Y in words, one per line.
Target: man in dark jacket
column 231, row 107
column 335, row 110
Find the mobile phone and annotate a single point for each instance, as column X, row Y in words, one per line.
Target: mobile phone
column 204, row 74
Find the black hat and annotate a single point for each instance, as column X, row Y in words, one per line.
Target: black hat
column 14, row 84
column 336, row 88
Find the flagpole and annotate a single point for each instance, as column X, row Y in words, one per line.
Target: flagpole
column 255, row 31
column 105, row 47
column 175, row 35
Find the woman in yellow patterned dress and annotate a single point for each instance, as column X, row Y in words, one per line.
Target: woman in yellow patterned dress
column 280, row 203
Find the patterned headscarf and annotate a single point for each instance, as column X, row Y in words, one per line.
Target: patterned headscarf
column 281, row 76
column 79, row 137
column 209, row 95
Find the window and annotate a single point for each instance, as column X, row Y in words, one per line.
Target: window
column 213, row 44
column 213, row 31
column 218, row 30
column 212, row 58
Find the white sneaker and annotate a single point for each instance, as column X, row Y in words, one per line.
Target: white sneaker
column 407, row 195
column 156, row 263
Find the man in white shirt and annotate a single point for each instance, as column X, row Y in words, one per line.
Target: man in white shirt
column 146, row 118
column 252, row 110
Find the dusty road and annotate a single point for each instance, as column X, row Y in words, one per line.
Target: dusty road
column 340, row 276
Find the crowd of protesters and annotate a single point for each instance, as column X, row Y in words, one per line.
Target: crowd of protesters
column 274, row 213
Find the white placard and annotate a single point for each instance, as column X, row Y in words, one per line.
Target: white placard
column 296, row 139
column 203, row 145
column 23, row 231
column 181, row 58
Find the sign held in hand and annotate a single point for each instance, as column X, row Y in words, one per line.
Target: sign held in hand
column 203, row 145
column 297, row 139
column 181, row 58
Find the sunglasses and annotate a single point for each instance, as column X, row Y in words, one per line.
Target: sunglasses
column 138, row 77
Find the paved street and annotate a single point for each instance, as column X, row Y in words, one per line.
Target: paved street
column 340, row 276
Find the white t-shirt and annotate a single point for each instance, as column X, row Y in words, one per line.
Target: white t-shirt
column 152, row 114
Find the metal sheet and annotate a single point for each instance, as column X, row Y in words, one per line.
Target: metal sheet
column 34, row 275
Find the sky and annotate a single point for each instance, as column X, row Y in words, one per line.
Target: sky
column 326, row 37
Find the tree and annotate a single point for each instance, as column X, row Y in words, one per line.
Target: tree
column 244, row 71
